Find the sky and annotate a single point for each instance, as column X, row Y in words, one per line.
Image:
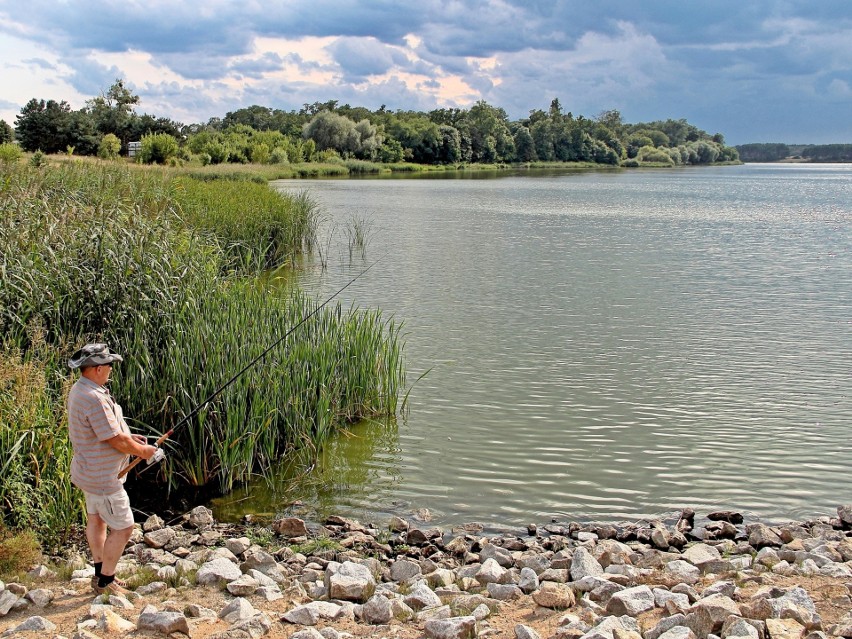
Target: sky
column 753, row 70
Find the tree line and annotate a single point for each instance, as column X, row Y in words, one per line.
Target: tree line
column 774, row 152
column 324, row 131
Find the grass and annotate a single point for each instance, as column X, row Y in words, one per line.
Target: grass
column 172, row 272
column 19, row 552
column 317, row 545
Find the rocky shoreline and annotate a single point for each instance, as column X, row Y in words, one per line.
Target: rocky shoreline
column 662, row 579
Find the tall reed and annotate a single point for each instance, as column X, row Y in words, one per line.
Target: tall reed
column 165, row 269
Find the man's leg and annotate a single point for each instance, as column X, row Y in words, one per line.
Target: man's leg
column 113, row 548
column 96, row 534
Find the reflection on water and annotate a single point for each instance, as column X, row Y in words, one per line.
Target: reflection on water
column 602, row 345
column 346, row 471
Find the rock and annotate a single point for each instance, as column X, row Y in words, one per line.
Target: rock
column 40, row 597
column 504, row 592
column 290, row 527
column 106, row 621
column 154, row 522
column 792, row 604
column 404, row 570
column 350, row 581
column 554, row 595
column 238, row 610
column 528, row 580
column 151, row 588
column 243, row 586
column 606, row 628
column 196, row 611
column 631, row 602
column 452, row 628
column 200, row 517
column 662, row 598
column 217, row 570
column 760, row 535
column 784, row 629
column 665, row 624
column 490, row 572
column 238, row 545
column 845, row 515
column 422, row 597
column 159, row 538
column 700, row 554
column 7, row 600
column 621, row 633
column 740, row 628
column 165, row 622
column 678, row 632
column 309, row 614
column 307, row 633
column 726, row 515
column 498, row 554
column 377, row 610
column 718, row 608
column 40, row 572
column 525, row 632
column 33, row 624
column 684, row 571
column 583, row 564
column 254, row 627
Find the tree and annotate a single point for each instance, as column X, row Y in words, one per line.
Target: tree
column 331, row 131
column 112, row 111
column 524, row 145
column 42, row 125
column 7, row 134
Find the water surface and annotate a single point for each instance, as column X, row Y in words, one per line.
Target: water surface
column 601, row 345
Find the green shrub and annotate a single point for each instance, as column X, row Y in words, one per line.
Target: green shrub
column 10, row 153
column 38, row 159
column 110, row 147
column 19, row 552
column 279, row 156
column 158, row 148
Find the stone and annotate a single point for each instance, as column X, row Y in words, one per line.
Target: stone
column 528, row 580
column 718, row 608
column 218, row 570
column 504, row 592
column 159, row 538
column 738, row 627
column 662, row 597
column 200, row 517
column 377, row 610
column 40, row 597
column 525, row 632
column 165, row 622
column 309, row 614
column 621, row 633
column 490, row 572
column 238, row 545
column 760, row 535
column 553, row 595
column 238, row 610
column 422, row 597
column 631, row 602
column 404, row 570
column 254, row 627
column 665, row 624
column 33, row 624
column 290, row 527
column 845, row 515
column 678, row 632
column 7, row 600
column 243, row 586
column 726, row 515
column 154, row 522
column 606, row 628
column 107, row 621
column 151, row 588
column 497, row 553
column 684, row 571
column 452, row 628
column 700, row 554
column 583, row 564
column 350, row 582
column 196, row 611
column 784, row 629
column 397, row 524
column 307, row 633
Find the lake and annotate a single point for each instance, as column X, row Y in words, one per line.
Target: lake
column 599, row 345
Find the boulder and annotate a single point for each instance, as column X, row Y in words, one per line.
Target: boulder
column 631, row 602
column 452, row 628
column 583, row 564
column 216, row 571
column 165, row 622
column 554, row 595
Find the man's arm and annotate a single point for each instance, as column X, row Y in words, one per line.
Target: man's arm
column 128, row 444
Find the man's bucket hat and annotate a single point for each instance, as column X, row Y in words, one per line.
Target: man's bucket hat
column 93, row 355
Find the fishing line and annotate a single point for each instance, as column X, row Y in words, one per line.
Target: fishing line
column 236, row 376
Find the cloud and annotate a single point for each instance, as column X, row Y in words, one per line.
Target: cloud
column 359, row 58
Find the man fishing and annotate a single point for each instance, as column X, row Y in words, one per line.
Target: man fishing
column 101, row 441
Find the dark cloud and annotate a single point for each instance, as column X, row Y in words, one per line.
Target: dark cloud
column 91, row 78
column 258, row 67
column 363, row 57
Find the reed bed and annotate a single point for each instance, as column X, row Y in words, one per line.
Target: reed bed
column 158, row 266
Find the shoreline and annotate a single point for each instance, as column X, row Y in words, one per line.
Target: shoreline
column 673, row 579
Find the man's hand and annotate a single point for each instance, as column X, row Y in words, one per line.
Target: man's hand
column 130, row 445
column 158, row 456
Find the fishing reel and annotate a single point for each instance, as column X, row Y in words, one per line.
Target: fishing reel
column 157, row 456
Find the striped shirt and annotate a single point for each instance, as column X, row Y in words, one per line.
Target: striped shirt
column 94, row 417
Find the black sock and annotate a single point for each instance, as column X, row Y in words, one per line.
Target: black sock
column 98, row 565
column 105, row 580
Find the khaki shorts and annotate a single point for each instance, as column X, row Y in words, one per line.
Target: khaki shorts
column 113, row 509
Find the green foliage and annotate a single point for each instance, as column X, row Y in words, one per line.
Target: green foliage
column 38, row 159
column 10, row 153
column 7, row 134
column 158, row 148
column 651, row 155
column 110, row 147
column 163, row 269
column 19, row 552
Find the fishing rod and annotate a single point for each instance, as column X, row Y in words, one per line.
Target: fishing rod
column 215, row 393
